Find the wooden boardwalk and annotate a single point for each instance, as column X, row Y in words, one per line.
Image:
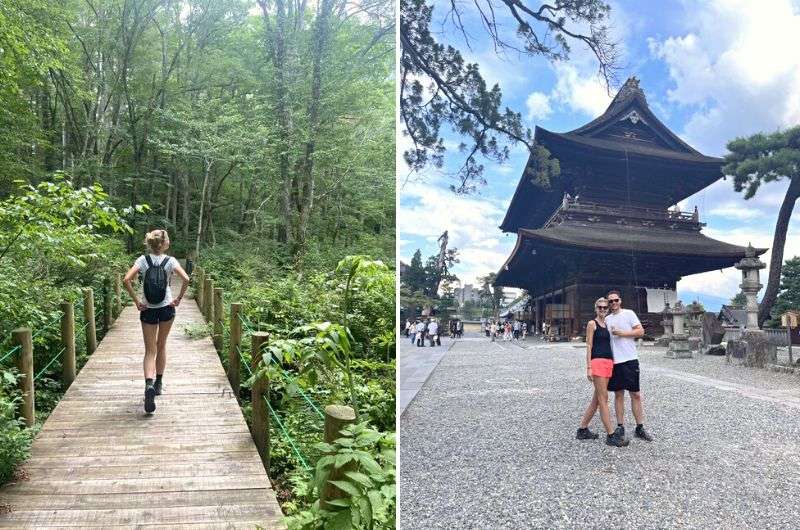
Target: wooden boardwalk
column 100, row 461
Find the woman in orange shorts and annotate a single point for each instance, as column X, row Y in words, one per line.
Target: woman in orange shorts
column 599, row 366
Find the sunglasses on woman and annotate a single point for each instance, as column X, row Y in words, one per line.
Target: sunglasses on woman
column 602, row 307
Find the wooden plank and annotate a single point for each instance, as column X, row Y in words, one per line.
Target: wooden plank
column 100, row 462
column 139, row 516
column 135, row 459
column 164, row 470
column 142, row 485
column 111, row 501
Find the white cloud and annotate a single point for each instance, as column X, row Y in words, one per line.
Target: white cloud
column 735, row 210
column 742, row 80
column 580, row 91
column 538, row 104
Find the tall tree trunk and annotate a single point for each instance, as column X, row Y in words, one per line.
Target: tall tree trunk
column 307, row 184
column 208, row 164
column 186, row 206
column 778, row 243
column 278, row 55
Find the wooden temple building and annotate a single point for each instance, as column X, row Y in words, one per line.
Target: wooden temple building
column 609, row 220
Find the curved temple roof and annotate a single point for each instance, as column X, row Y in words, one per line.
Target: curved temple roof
column 627, row 148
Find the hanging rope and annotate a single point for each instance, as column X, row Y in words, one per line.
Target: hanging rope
column 57, row 355
column 10, row 353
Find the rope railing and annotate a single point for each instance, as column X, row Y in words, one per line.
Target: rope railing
column 61, row 328
column 264, row 416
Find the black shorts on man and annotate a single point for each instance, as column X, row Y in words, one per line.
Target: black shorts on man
column 154, row 315
column 625, row 377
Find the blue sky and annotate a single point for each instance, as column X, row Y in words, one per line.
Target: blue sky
column 711, row 71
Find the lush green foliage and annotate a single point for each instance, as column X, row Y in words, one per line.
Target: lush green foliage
column 789, row 297
column 366, row 459
column 54, row 239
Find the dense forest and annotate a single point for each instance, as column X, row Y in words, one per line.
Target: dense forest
column 260, row 134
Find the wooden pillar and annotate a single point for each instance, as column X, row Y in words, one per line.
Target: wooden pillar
column 88, row 317
column 219, row 318
column 117, row 295
column 199, row 283
column 337, row 417
column 259, row 392
column 23, row 338
column 68, row 340
column 234, row 356
column 208, row 292
column 106, row 304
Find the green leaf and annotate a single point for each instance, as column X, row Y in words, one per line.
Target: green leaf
column 346, row 487
column 361, row 478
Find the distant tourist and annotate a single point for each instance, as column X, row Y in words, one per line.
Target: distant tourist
column 524, row 330
column 420, row 332
column 507, row 331
column 157, row 310
column 412, row 331
column 407, row 327
column 599, row 367
column 433, row 333
column 625, row 329
column 516, row 329
column 493, row 330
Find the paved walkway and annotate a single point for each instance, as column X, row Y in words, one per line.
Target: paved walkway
column 416, row 364
column 489, row 442
column 101, row 462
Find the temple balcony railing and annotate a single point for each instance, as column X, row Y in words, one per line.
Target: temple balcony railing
column 573, row 208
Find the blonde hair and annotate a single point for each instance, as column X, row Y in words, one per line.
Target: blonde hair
column 156, row 240
column 601, row 299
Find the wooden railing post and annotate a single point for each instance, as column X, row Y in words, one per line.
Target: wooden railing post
column 24, row 339
column 219, row 318
column 88, row 317
column 199, row 284
column 259, row 391
column 234, row 356
column 208, row 299
column 68, row 340
column 117, row 295
column 106, row 304
column 337, row 417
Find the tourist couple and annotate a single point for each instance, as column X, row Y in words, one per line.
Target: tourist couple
column 612, row 364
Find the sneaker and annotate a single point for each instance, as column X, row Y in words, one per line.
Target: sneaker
column 641, row 433
column 620, row 431
column 616, row 440
column 586, row 434
column 158, row 386
column 149, row 399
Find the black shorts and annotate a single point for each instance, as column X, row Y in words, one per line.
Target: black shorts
column 155, row 315
column 625, row 377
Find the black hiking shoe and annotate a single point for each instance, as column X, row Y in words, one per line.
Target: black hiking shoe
column 586, row 434
column 641, row 433
column 620, row 431
column 149, row 399
column 158, row 387
column 616, row 440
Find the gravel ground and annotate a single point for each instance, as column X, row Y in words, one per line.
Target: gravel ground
column 489, row 442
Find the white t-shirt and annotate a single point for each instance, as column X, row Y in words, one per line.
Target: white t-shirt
column 420, row 327
column 141, row 262
column 624, row 348
column 433, row 328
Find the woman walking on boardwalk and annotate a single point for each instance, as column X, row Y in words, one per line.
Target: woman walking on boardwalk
column 157, row 310
column 599, row 367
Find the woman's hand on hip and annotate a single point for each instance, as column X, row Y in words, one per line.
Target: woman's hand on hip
column 589, row 375
column 140, row 306
column 176, row 302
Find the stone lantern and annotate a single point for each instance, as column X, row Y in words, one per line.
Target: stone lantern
column 750, row 265
column 694, row 323
column 666, row 322
column 679, row 345
column 754, row 348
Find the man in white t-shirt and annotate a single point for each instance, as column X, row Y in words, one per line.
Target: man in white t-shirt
column 433, row 332
column 625, row 328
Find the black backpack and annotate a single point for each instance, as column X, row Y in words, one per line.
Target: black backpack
column 155, row 281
